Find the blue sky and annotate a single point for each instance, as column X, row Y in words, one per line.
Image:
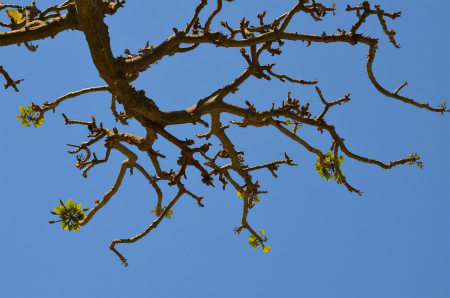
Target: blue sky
column 394, row 241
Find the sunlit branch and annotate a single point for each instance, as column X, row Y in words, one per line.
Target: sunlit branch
column 370, row 59
column 47, row 29
column 195, row 17
column 339, row 173
column 46, row 106
column 126, row 164
column 213, row 14
column 9, row 81
column 146, row 231
column 347, row 152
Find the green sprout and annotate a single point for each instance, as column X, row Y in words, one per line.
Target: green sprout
column 254, row 242
column 255, row 199
column 168, row 214
column 299, row 125
column 443, row 106
column 324, row 171
column 69, row 214
column 417, row 157
column 28, row 116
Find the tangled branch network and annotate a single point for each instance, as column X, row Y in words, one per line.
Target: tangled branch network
column 28, row 24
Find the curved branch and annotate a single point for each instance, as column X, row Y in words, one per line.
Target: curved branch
column 213, row 14
column 146, row 231
column 370, row 59
column 9, row 81
column 126, row 164
column 195, row 17
column 347, row 152
column 46, row 106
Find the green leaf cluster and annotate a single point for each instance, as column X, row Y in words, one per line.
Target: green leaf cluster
column 443, row 106
column 300, row 125
column 417, row 157
column 27, row 115
column 324, row 171
column 254, row 242
column 255, row 199
column 168, row 214
column 70, row 213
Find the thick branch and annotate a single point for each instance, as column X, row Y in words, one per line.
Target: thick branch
column 47, row 29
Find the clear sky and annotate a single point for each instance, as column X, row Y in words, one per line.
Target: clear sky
column 392, row 242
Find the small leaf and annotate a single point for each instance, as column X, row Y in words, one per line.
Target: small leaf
column 14, row 14
column 77, row 206
column 266, row 248
column 252, row 237
column 17, row 117
column 57, row 209
column 239, row 195
column 253, row 243
column 69, row 203
column 169, row 214
column 261, row 232
column 76, row 227
column 22, row 110
column 65, row 225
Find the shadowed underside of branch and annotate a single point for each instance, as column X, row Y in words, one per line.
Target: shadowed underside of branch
column 287, row 117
